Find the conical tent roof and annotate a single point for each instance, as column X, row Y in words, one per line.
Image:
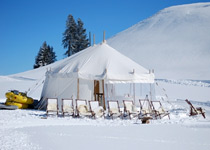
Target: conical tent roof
column 102, row 62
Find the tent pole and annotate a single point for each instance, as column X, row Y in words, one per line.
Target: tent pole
column 78, row 88
column 107, row 92
column 103, row 95
column 150, row 91
column 104, row 41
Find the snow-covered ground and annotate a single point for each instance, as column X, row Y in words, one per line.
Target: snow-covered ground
column 25, row 129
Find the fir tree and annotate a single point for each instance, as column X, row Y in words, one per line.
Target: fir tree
column 81, row 37
column 45, row 56
column 51, row 55
column 74, row 37
column 69, row 36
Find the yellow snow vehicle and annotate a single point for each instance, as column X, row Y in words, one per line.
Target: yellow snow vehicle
column 16, row 96
column 19, row 105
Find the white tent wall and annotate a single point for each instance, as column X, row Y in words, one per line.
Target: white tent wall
column 59, row 87
column 129, row 91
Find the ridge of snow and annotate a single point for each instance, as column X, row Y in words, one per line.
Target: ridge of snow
column 201, row 83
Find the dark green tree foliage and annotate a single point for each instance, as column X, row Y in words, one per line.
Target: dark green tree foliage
column 74, row 37
column 69, row 40
column 45, row 56
column 81, row 38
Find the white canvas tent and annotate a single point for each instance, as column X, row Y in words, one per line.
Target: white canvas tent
column 78, row 76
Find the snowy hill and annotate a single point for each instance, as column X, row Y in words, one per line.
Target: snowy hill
column 174, row 42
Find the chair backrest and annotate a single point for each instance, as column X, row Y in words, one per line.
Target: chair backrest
column 52, row 104
column 193, row 108
column 81, row 106
column 145, row 105
column 128, row 105
column 93, row 105
column 80, row 102
column 113, row 105
column 157, row 105
column 67, row 105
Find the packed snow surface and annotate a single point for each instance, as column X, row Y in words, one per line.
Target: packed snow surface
column 25, row 129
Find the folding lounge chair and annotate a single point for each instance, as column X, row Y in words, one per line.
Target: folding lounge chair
column 96, row 109
column 52, row 106
column 195, row 110
column 145, row 108
column 130, row 108
column 67, row 107
column 82, row 109
column 114, row 109
column 159, row 110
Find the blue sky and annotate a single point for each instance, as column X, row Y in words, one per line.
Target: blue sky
column 26, row 24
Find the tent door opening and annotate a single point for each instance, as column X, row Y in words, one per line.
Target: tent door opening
column 99, row 92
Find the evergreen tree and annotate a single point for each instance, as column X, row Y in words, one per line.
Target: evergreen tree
column 69, row 36
column 74, row 37
column 81, row 37
column 51, row 57
column 45, row 56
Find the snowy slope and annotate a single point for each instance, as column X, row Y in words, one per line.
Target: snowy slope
column 174, row 42
column 30, row 81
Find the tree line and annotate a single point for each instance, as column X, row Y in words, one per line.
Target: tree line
column 74, row 40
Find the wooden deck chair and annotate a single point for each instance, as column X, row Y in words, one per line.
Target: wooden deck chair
column 96, row 109
column 195, row 110
column 67, row 107
column 159, row 110
column 52, row 106
column 114, row 109
column 130, row 108
column 145, row 108
column 82, row 109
